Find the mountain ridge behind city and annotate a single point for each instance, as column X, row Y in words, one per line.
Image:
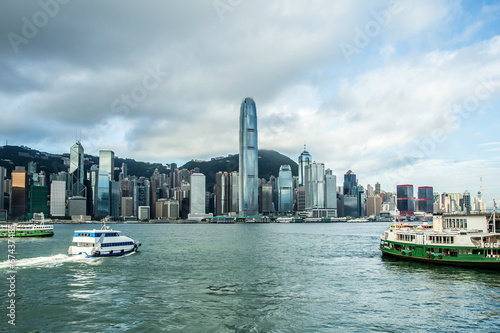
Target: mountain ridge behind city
column 269, row 163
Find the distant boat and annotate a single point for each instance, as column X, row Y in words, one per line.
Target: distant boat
column 104, row 242
column 357, row 221
column 35, row 228
column 461, row 240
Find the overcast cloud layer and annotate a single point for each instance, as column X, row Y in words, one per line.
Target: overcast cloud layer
column 399, row 92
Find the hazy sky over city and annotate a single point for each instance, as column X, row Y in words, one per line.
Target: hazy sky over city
column 398, row 92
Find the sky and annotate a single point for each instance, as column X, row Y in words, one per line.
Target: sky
column 399, row 92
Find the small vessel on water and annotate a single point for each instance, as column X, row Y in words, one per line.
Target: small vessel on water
column 35, row 228
column 104, row 242
column 462, row 240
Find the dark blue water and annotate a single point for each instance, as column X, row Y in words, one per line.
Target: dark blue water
column 244, row 278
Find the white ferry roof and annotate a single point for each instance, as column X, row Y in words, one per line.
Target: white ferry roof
column 97, row 233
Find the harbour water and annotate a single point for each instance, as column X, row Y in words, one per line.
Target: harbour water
column 243, row 278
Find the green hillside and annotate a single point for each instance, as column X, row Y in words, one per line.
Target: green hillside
column 269, row 165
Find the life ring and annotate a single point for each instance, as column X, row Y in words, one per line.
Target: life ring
column 409, row 254
column 440, row 257
column 429, row 255
column 403, row 252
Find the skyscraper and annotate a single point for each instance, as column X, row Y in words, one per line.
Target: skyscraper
column 406, row 202
column 285, row 189
column 221, row 193
column 20, row 191
column 103, row 194
column 304, row 160
column 330, row 190
column 315, row 186
column 350, row 182
column 107, row 163
column 248, row 159
column 58, row 198
column 426, row 199
column 3, row 172
column 197, row 199
column 466, row 202
column 76, row 170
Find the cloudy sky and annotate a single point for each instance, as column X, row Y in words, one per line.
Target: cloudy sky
column 399, row 92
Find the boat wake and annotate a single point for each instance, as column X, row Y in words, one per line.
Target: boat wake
column 51, row 261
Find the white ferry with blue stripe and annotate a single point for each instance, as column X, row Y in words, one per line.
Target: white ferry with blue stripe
column 101, row 243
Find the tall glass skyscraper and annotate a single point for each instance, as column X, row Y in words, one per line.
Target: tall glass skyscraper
column 76, row 170
column 249, row 158
column 304, row 160
column 103, row 194
column 107, row 163
column 350, row 183
column 285, row 189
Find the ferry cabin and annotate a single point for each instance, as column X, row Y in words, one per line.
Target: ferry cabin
column 101, row 243
column 470, row 240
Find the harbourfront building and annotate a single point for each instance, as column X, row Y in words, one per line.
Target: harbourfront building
column 58, row 198
column 20, row 193
column 3, row 173
column 197, row 197
column 315, row 186
column 331, row 192
column 373, row 205
column 248, row 160
column 266, row 198
column 285, row 189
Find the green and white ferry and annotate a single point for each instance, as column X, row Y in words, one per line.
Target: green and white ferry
column 35, row 228
column 462, row 240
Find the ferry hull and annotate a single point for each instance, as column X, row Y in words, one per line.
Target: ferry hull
column 19, row 233
column 92, row 252
column 484, row 263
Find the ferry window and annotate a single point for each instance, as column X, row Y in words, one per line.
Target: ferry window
column 477, row 251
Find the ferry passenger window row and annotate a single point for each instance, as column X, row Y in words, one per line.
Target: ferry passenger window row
column 117, row 244
column 84, row 234
column 406, row 238
column 442, row 239
column 455, row 223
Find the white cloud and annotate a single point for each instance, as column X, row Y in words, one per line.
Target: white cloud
column 371, row 114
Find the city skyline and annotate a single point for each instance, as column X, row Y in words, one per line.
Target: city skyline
column 405, row 93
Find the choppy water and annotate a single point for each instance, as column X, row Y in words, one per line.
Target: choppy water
column 243, row 278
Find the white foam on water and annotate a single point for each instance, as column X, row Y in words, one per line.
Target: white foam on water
column 51, row 261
